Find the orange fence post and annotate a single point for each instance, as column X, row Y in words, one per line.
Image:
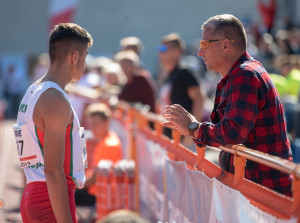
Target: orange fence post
column 176, row 137
column 239, row 168
column 130, row 124
column 142, row 121
column 119, row 185
column 200, row 155
column 296, row 197
column 133, row 113
column 176, row 140
column 103, row 185
column 158, row 129
column 130, row 185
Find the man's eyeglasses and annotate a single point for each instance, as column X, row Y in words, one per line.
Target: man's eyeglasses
column 204, row 44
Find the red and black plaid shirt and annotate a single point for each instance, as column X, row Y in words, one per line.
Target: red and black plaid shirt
column 248, row 111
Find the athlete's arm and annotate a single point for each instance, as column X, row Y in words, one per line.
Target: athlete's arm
column 53, row 114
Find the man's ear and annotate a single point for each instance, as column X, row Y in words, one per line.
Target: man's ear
column 226, row 44
column 75, row 57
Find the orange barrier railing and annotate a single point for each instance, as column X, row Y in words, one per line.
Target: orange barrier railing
column 266, row 199
column 115, row 186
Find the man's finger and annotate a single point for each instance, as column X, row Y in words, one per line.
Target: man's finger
column 169, row 125
column 171, row 113
column 178, row 108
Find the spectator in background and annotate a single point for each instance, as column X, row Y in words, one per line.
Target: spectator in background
column 247, row 107
column 97, row 67
column 135, row 44
column 2, row 101
column 114, row 75
column 104, row 144
column 41, row 67
column 267, row 50
column 288, row 86
column 15, row 81
column 115, row 80
column 137, row 88
column 132, row 43
column 283, row 42
column 268, row 13
column 287, row 67
column 180, row 85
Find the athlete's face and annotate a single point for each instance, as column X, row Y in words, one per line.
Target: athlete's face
column 80, row 63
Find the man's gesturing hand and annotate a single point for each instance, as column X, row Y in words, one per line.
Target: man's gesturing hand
column 178, row 118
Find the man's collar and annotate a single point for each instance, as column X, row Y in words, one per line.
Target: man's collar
column 244, row 57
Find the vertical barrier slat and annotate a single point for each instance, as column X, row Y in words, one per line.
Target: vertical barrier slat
column 175, row 142
column 296, row 197
column 239, row 168
column 200, row 157
column 134, row 113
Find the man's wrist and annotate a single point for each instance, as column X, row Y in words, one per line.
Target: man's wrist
column 195, row 133
column 192, row 128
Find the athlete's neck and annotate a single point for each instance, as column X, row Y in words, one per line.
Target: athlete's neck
column 59, row 78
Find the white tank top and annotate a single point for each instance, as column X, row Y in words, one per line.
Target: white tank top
column 30, row 140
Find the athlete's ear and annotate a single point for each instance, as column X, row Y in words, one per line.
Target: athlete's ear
column 75, row 57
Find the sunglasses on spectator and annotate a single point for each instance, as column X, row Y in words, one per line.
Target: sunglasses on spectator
column 204, row 44
column 162, row 48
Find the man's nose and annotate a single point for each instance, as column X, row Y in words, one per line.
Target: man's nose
column 200, row 52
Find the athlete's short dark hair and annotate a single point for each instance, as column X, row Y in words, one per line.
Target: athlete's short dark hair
column 65, row 37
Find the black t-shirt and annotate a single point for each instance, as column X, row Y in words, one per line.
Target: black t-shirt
column 180, row 79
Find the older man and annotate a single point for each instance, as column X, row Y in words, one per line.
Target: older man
column 247, row 107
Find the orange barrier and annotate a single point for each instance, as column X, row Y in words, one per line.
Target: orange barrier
column 115, row 186
column 268, row 200
column 104, row 188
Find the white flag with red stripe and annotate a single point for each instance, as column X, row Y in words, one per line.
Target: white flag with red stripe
column 61, row 11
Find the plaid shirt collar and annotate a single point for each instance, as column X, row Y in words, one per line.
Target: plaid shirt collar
column 244, row 57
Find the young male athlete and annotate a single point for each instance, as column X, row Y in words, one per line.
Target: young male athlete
column 49, row 140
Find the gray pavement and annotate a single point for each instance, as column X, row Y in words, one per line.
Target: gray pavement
column 11, row 175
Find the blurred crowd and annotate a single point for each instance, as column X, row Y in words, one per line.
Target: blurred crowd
column 123, row 76
column 181, row 78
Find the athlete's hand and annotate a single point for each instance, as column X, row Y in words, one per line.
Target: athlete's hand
column 178, row 118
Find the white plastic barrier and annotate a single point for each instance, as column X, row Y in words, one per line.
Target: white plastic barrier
column 189, row 194
column 184, row 195
column 151, row 166
column 229, row 205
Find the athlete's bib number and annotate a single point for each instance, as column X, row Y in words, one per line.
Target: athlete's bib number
column 83, row 147
column 27, row 156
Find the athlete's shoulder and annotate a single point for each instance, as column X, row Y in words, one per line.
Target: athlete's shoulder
column 53, row 96
column 53, row 103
